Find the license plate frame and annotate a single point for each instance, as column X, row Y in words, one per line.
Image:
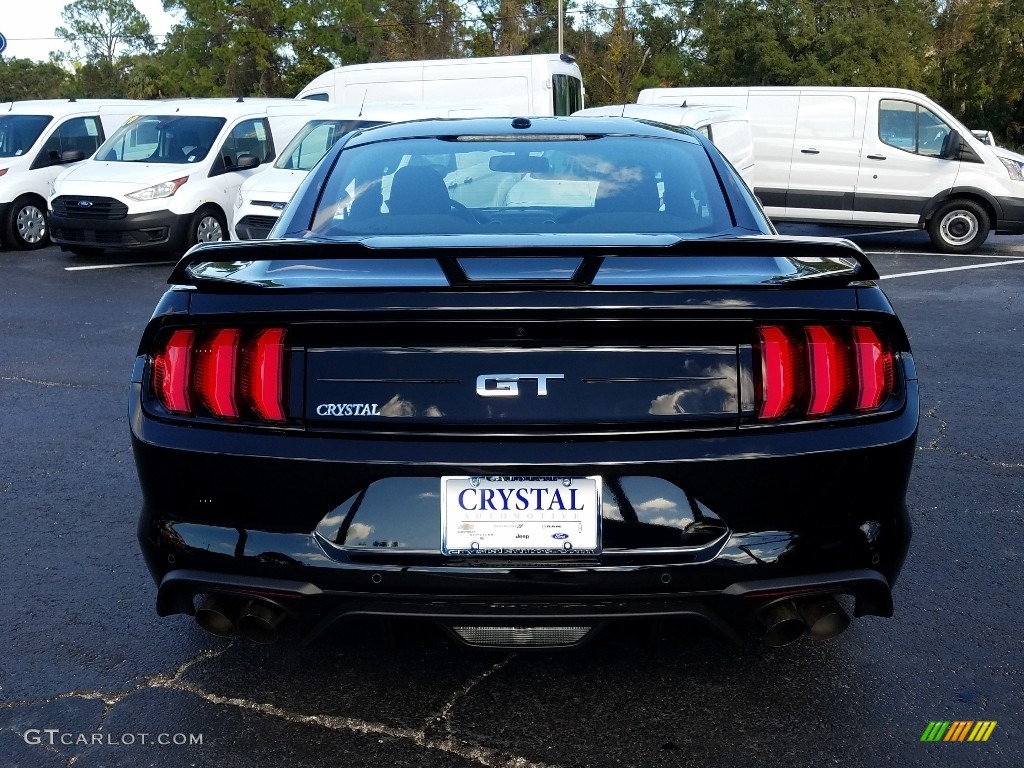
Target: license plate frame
column 521, row 516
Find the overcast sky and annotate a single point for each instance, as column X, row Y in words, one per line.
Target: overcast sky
column 30, row 35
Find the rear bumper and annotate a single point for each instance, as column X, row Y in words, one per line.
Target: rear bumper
column 157, row 230
column 313, row 612
column 804, row 512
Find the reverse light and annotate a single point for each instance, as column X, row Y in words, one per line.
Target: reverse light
column 818, row 370
column 226, row 373
column 157, row 191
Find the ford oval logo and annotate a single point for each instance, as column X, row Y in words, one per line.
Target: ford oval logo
column 85, row 203
column 559, row 535
column 279, row 206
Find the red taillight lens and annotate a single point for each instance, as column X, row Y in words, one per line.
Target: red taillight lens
column 874, row 368
column 172, row 369
column 778, row 373
column 819, row 370
column 826, row 357
column 263, row 375
column 228, row 373
column 216, row 363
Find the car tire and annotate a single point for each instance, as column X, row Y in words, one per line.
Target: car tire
column 208, row 225
column 959, row 226
column 25, row 228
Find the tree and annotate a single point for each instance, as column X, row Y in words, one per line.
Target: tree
column 104, row 31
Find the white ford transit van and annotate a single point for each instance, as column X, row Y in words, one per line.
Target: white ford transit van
column 169, row 177
column 727, row 127
column 872, row 157
column 495, row 86
column 263, row 196
column 38, row 140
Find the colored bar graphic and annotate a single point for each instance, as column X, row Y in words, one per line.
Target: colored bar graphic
column 959, row 730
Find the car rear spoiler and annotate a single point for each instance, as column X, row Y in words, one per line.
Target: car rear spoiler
column 515, row 262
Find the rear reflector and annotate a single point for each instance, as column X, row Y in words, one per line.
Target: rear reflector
column 227, row 373
column 819, row 370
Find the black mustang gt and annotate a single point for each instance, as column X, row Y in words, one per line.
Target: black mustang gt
column 520, row 378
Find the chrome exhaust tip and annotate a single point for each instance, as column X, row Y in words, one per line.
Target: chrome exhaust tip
column 782, row 624
column 217, row 615
column 824, row 616
column 260, row 622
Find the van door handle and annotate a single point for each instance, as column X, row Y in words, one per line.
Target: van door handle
column 810, row 152
column 876, row 157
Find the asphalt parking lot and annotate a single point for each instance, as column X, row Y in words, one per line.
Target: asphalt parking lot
column 91, row 678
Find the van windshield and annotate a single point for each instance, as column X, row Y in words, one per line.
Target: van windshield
column 162, row 139
column 614, row 184
column 313, row 141
column 19, row 132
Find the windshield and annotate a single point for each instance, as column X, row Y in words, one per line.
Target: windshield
column 313, row 141
column 19, row 132
column 620, row 184
column 162, row 139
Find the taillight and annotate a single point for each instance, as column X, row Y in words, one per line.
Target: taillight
column 263, row 375
column 172, row 371
column 874, row 368
column 228, row 373
column 819, row 370
column 778, row 372
column 827, row 357
column 216, row 370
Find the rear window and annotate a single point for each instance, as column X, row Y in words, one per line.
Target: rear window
column 558, row 184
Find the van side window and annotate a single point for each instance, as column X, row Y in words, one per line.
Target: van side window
column 82, row 134
column 567, row 93
column 912, row 128
column 249, row 137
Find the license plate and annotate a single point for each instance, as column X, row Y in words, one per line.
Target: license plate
column 520, row 515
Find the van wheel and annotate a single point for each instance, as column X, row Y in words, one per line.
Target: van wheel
column 959, row 226
column 25, row 228
column 207, row 226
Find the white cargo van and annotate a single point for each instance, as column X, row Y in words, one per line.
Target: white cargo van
column 727, row 127
column 169, row 177
column 872, row 157
column 496, row 86
column 263, row 196
column 38, row 140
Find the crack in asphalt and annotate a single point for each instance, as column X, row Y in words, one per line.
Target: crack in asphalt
column 486, row 756
column 934, row 445
column 40, row 383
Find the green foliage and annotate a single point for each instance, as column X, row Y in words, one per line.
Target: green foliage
column 22, row 79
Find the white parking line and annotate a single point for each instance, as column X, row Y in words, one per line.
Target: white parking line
column 945, row 255
column 115, row 266
column 953, row 269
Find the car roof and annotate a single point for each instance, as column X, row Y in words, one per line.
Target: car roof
column 232, row 107
column 61, row 106
column 514, row 127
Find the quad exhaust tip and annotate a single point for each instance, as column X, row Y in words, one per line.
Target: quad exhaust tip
column 822, row 617
column 256, row 620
